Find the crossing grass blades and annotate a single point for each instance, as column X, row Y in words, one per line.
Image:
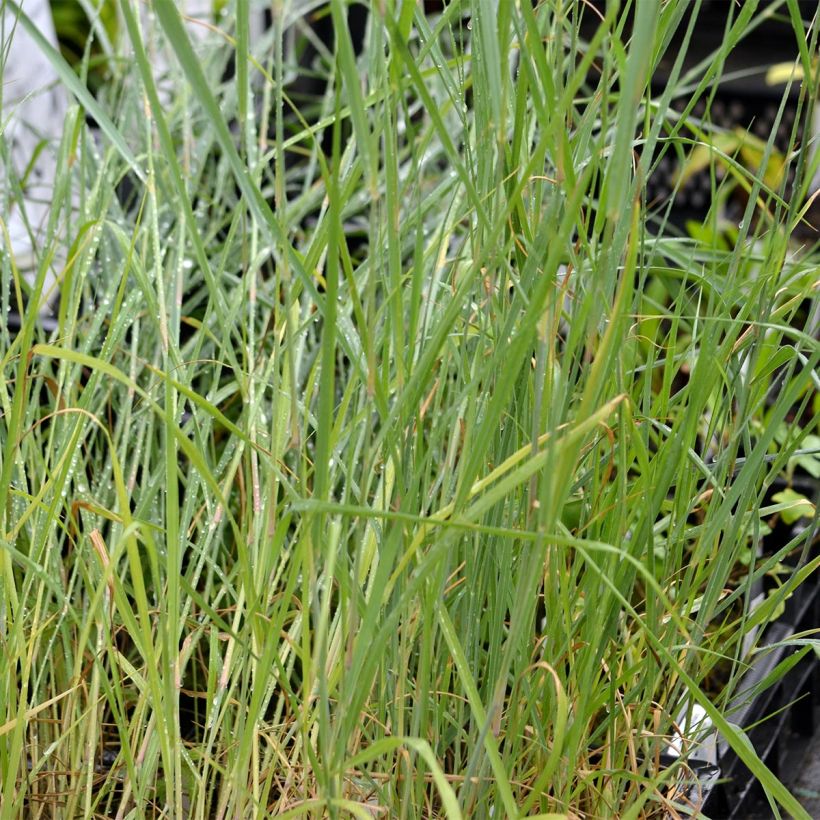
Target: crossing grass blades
column 391, row 453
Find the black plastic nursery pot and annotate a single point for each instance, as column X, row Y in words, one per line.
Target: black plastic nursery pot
column 781, row 722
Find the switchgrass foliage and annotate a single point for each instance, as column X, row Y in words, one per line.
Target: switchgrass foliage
column 392, row 455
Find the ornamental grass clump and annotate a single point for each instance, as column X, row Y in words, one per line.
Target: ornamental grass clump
column 391, row 453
